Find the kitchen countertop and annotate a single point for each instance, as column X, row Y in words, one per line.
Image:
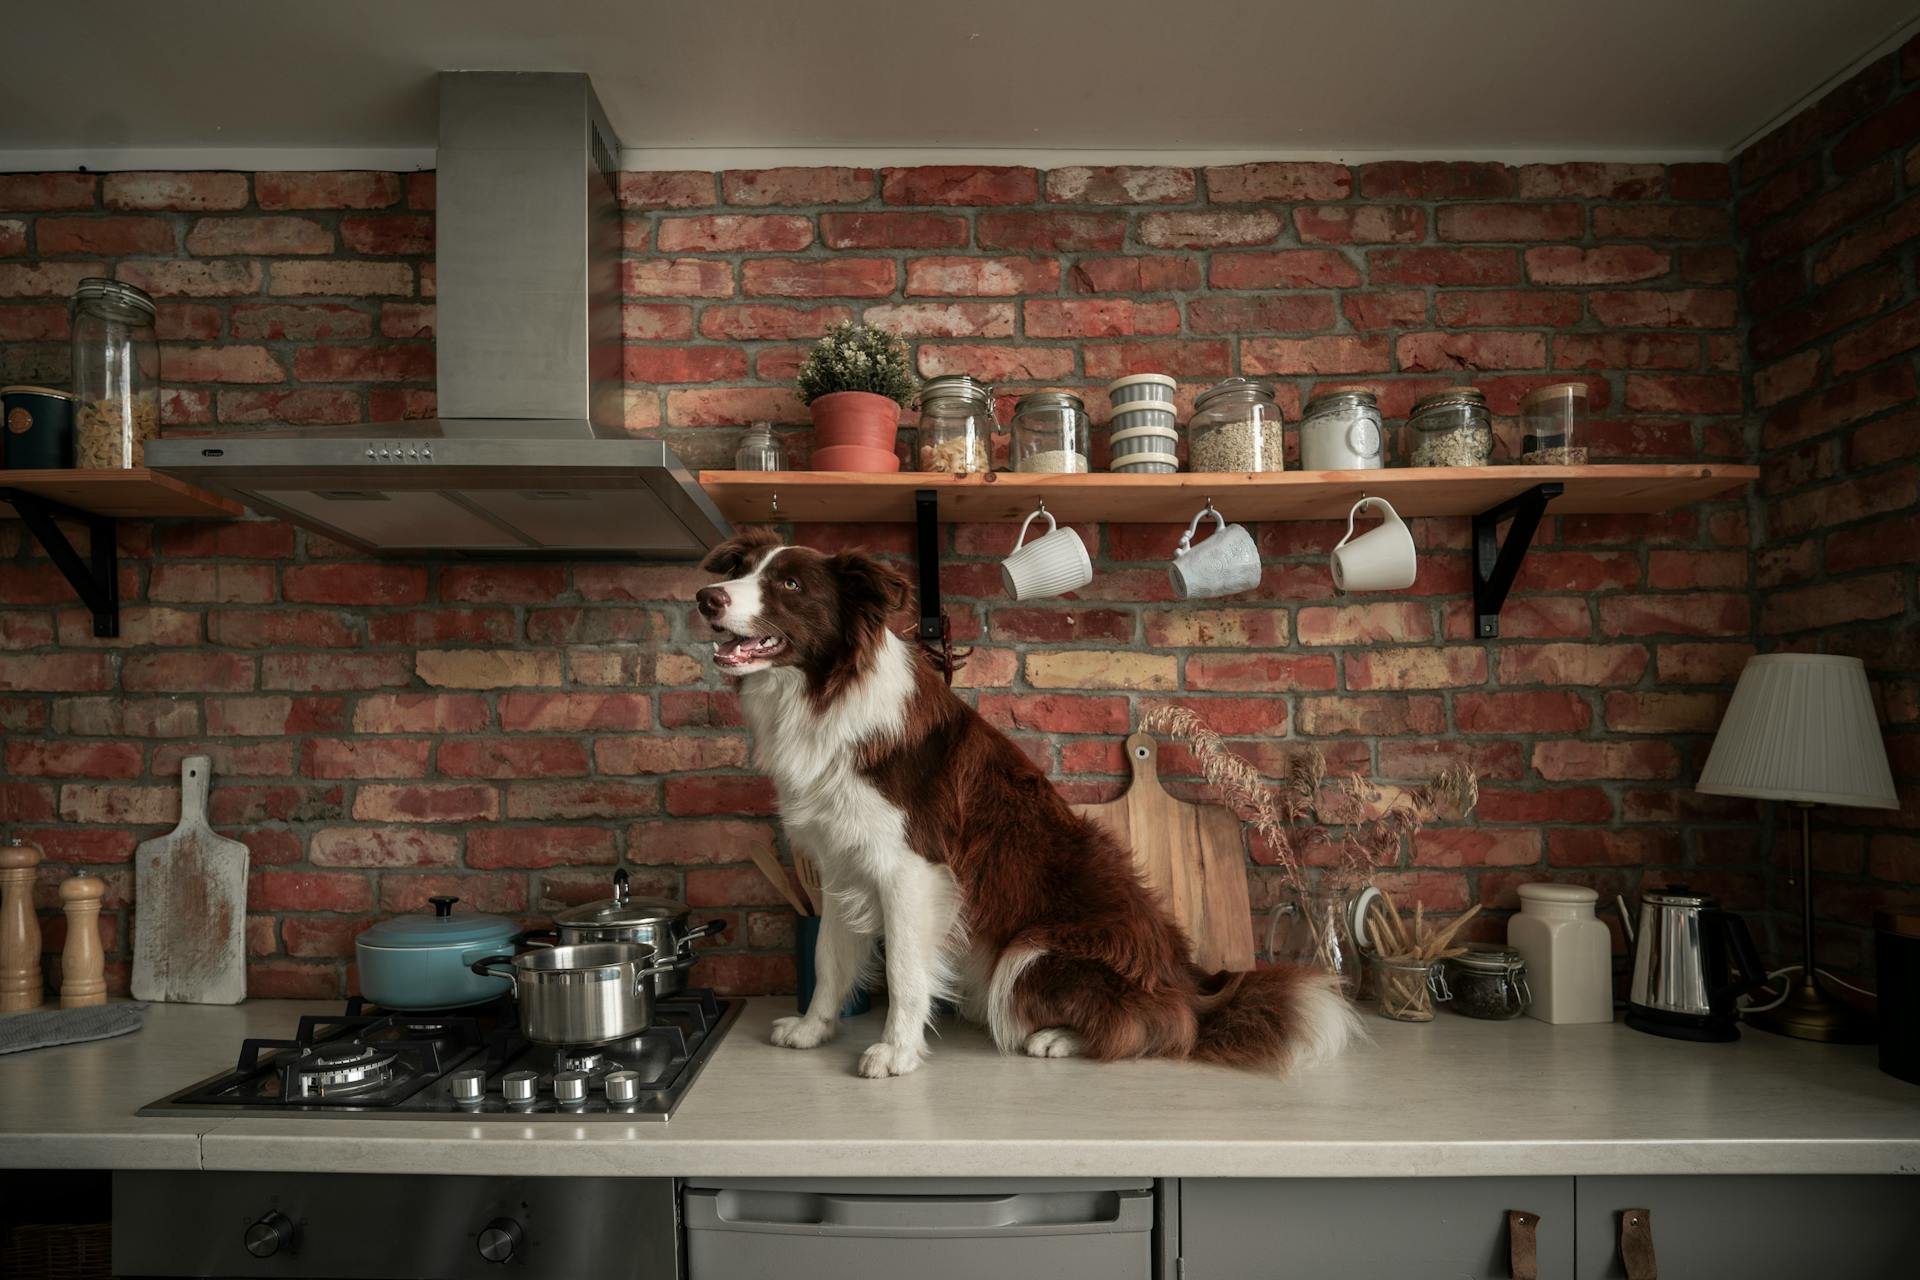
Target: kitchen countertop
column 1453, row 1097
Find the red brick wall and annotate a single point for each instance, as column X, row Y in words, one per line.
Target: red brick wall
column 1829, row 212
column 383, row 731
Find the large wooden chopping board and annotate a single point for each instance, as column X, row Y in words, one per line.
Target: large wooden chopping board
column 1192, row 855
column 190, row 906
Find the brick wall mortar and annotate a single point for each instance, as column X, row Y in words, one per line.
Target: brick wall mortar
column 446, row 716
column 1829, row 207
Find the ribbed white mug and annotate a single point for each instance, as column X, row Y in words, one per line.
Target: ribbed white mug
column 1381, row 559
column 1052, row 564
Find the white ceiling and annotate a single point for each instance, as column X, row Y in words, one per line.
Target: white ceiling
column 113, row 82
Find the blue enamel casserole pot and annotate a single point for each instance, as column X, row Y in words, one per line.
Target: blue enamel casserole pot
column 425, row 961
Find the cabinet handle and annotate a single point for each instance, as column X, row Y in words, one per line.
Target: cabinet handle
column 1523, row 1254
column 1636, row 1245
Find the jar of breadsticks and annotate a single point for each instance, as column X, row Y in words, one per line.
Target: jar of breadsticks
column 116, row 374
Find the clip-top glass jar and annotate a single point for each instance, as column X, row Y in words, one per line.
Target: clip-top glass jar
column 1050, row 433
column 1450, row 429
column 759, row 450
column 1489, row 981
column 116, row 374
column 1340, row 431
column 956, row 424
column 1236, row 427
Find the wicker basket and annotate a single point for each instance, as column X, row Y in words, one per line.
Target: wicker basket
column 61, row 1251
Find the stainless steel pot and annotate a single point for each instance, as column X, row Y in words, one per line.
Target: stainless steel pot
column 580, row 995
column 660, row 923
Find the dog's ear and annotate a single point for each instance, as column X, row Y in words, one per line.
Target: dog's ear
column 731, row 558
column 870, row 590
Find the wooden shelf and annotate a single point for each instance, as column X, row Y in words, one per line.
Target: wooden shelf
column 814, row 497
column 133, row 494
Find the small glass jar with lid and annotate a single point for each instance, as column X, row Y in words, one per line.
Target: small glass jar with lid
column 116, row 374
column 1340, row 431
column 956, row 425
column 1449, row 429
column 759, row 450
column 1236, row 427
column 1050, row 433
column 1489, row 981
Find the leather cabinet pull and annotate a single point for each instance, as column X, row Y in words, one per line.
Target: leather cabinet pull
column 1636, row 1245
column 1523, row 1254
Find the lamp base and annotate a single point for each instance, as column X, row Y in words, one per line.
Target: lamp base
column 1809, row 1013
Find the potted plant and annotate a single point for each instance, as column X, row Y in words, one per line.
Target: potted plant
column 856, row 379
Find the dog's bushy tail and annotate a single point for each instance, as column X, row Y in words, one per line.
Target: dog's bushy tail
column 1280, row 1018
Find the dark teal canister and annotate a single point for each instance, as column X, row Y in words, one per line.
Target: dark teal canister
column 36, row 429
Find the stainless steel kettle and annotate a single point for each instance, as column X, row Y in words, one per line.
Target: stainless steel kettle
column 1690, row 959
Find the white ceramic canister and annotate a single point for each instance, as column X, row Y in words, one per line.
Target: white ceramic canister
column 1568, row 951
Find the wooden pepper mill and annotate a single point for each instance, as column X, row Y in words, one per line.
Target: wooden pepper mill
column 83, row 965
column 20, row 983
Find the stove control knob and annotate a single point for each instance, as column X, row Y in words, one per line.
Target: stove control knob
column 622, row 1086
column 272, row 1233
column 570, row 1088
column 499, row 1240
column 519, row 1086
column 468, row 1086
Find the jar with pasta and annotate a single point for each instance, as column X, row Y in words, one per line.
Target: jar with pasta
column 116, row 374
column 956, row 425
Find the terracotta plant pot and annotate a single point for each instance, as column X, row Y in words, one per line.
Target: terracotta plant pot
column 855, row 418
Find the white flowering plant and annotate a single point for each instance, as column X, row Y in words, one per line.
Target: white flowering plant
column 857, row 357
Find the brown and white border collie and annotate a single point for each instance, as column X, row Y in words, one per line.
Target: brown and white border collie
column 932, row 828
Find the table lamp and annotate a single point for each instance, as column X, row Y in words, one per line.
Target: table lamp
column 1801, row 728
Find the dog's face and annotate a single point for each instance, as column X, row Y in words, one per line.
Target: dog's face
column 780, row 606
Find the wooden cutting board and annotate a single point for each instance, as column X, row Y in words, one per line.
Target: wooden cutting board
column 190, row 906
column 1192, row 855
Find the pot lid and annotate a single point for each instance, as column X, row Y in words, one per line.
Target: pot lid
column 445, row 927
column 622, row 909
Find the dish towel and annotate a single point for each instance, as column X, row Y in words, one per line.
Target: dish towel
column 44, row 1028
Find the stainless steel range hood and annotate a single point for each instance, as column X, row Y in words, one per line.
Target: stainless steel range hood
column 528, row 455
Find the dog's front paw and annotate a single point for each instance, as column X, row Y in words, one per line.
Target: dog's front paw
column 883, row 1060
column 801, row 1032
column 1052, row 1042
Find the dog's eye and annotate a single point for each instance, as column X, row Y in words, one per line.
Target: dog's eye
column 791, row 584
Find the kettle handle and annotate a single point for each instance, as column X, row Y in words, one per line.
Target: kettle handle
column 1749, row 973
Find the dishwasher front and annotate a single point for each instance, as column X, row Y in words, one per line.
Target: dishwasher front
column 931, row 1229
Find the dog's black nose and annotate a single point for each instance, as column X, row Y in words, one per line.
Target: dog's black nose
column 713, row 601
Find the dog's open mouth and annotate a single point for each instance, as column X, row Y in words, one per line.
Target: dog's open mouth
column 739, row 651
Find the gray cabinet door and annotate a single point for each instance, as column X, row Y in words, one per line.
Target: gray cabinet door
column 1369, row 1228
column 1833, row 1228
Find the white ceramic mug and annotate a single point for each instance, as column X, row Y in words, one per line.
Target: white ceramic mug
column 1052, row 564
column 1225, row 564
column 1381, row 559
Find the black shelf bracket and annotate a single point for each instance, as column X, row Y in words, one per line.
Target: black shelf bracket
column 1497, row 563
column 94, row 578
column 933, row 628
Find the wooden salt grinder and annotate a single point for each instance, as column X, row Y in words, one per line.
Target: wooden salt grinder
column 83, row 967
column 20, row 983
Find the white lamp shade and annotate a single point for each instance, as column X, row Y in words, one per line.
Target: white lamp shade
column 1801, row 726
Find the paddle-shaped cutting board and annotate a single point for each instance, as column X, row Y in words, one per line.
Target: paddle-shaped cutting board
column 190, row 906
column 1192, row 855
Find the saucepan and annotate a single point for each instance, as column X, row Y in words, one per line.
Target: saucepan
column 660, row 923
column 580, row 995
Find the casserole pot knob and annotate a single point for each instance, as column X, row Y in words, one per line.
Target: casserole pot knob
column 442, row 905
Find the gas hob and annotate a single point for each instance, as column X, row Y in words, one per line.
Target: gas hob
column 460, row 1064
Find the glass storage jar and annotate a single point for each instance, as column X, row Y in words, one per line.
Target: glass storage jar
column 1552, row 422
column 1406, row 990
column 1050, row 433
column 116, row 374
column 1489, row 981
column 1236, row 427
column 1340, row 431
column 1450, row 429
column 759, row 451
column 956, row 424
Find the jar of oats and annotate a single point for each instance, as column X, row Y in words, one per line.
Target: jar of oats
column 956, row 425
column 116, row 374
column 1236, row 427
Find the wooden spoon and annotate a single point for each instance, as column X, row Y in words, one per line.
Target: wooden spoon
column 807, row 872
column 778, row 876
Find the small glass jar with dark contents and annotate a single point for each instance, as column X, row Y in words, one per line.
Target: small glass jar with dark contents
column 1489, row 981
